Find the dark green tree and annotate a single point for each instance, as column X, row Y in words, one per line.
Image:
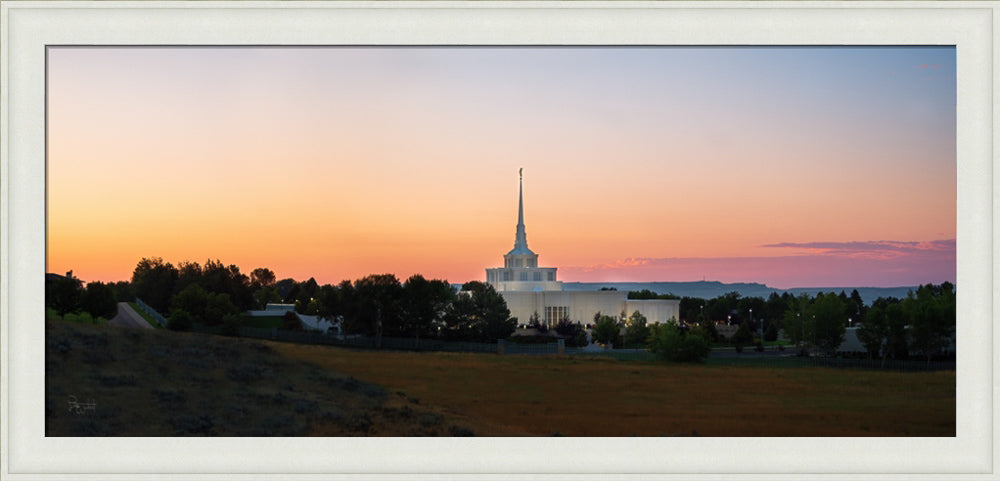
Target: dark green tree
column 605, row 330
column 669, row 343
column 931, row 315
column 830, row 324
column 375, row 307
column 122, row 291
column 873, row 331
column 179, row 320
column 896, row 344
column 742, row 337
column 63, row 293
column 426, row 304
column 99, row 300
column 261, row 277
column 480, row 314
column 636, row 330
column 153, row 281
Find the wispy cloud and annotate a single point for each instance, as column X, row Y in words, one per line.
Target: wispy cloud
column 929, row 66
column 816, row 264
column 871, row 249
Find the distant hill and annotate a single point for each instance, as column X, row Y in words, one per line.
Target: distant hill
column 710, row 289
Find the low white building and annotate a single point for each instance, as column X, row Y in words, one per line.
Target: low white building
column 530, row 290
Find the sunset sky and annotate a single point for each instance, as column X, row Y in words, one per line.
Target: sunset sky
column 790, row 166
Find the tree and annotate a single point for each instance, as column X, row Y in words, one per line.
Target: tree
column 188, row 273
column 771, row 332
column 605, row 330
column 425, row 305
column 669, row 343
column 573, row 332
column 63, row 293
column 692, row 308
column 179, row 320
column 830, row 323
column 376, row 306
column 305, row 301
column 262, row 277
column 931, row 315
column 153, row 281
column 99, row 300
column 203, row 306
column 636, row 331
column 287, row 288
column 742, row 337
column 122, row 291
column 706, row 329
column 896, row 345
column 857, row 307
column 480, row 314
column 873, row 331
column 643, row 294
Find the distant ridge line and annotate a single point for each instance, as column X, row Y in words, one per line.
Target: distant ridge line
column 711, row 289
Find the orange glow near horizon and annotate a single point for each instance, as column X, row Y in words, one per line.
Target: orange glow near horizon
column 338, row 163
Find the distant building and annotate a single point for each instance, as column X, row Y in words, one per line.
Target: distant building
column 531, row 290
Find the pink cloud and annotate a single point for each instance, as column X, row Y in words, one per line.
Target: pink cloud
column 823, row 264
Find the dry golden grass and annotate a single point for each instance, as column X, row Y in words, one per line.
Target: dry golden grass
column 523, row 395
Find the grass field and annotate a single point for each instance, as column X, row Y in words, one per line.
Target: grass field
column 165, row 383
column 531, row 395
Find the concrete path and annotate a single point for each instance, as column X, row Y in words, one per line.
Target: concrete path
column 127, row 317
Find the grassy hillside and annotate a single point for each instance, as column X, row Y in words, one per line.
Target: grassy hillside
column 164, row 383
column 577, row 396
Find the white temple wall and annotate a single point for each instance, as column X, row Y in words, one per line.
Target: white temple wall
column 657, row 311
column 581, row 305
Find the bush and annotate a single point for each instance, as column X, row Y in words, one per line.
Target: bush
column 742, row 337
column 179, row 320
column 231, row 325
column 771, row 333
column 670, row 344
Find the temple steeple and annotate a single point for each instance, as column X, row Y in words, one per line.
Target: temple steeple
column 520, row 271
column 521, row 238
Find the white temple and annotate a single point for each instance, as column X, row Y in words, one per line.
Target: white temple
column 530, row 290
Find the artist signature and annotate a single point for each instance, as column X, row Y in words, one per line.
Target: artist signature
column 80, row 408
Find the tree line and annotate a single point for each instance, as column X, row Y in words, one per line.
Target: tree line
column 376, row 305
column 923, row 323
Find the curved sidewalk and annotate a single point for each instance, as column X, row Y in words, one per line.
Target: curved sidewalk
column 127, row 317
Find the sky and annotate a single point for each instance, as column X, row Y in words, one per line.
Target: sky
column 789, row 166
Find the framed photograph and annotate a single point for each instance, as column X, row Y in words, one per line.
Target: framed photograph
column 672, row 239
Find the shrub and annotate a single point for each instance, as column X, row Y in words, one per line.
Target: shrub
column 670, row 344
column 742, row 337
column 771, row 333
column 231, row 325
column 180, row 320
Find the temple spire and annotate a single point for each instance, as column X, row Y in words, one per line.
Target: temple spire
column 521, row 239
